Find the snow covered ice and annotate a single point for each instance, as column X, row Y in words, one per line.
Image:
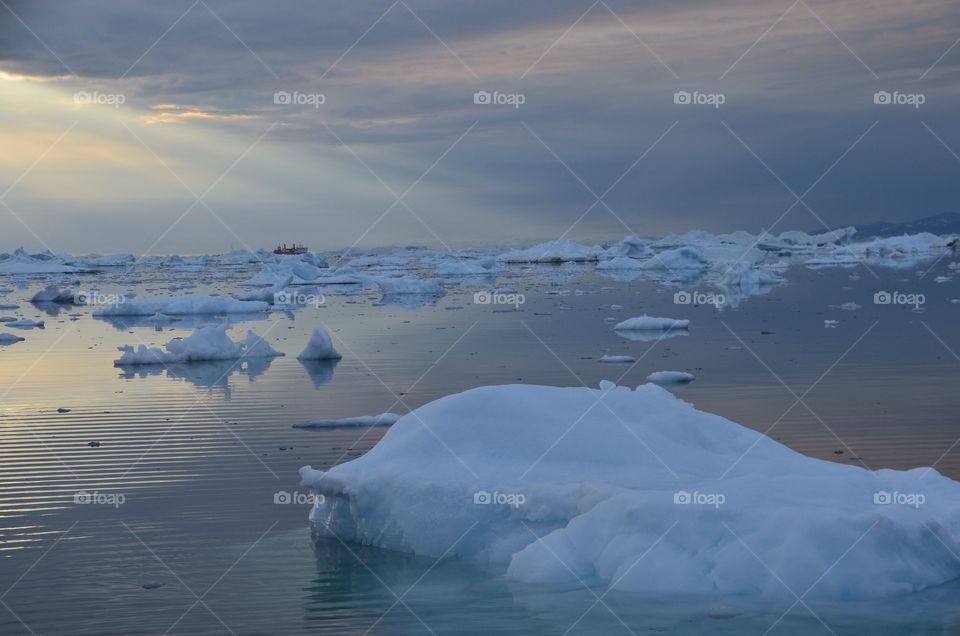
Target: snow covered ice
column 384, row 419
column 182, row 306
column 555, row 492
column 651, row 323
column 609, row 359
column 203, row 345
column 671, row 377
column 320, row 347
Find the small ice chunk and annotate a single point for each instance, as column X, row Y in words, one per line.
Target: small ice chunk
column 646, row 322
column 320, row 347
column 618, row 359
column 384, row 419
column 671, row 377
column 26, row 324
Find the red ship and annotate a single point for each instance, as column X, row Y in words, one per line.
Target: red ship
column 290, row 251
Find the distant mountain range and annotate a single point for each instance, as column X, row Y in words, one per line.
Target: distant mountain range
column 945, row 223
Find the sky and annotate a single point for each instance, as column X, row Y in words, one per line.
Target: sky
column 210, row 125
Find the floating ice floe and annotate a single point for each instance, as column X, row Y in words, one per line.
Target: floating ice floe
column 620, row 262
column 112, row 260
column 319, row 347
column 267, row 294
column 384, row 419
column 203, row 345
column 379, row 261
column 671, row 377
column 689, row 257
column 182, row 306
column 303, row 269
column 9, row 338
column 554, row 252
column 651, row 323
column 461, row 267
column 408, row 285
column 617, row 359
column 700, row 507
column 800, row 242
column 631, row 246
column 22, row 263
column 53, row 294
column 241, row 257
column 26, row 324
column 344, row 276
column 747, row 278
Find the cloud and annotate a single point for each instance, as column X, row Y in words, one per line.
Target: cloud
column 176, row 114
column 598, row 91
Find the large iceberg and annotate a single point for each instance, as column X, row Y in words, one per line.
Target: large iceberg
column 639, row 491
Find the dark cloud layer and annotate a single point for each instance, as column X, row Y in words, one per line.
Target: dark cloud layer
column 797, row 108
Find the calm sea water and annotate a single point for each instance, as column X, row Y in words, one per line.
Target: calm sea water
column 188, row 462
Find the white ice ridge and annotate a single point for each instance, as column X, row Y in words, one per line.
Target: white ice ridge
column 555, row 490
column 384, row 419
column 204, row 344
column 671, row 377
column 182, row 306
column 646, row 322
